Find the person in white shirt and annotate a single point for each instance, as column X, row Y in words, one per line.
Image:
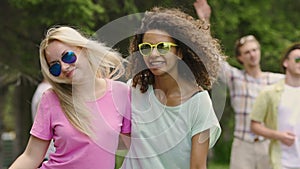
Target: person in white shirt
column 276, row 113
column 248, row 151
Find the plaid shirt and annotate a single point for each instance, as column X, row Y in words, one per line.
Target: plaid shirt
column 243, row 90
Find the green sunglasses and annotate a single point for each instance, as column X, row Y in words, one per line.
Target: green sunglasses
column 297, row 59
column 162, row 48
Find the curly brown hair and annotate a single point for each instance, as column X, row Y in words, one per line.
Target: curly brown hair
column 201, row 52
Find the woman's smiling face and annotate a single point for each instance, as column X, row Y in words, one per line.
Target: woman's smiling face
column 54, row 53
column 158, row 63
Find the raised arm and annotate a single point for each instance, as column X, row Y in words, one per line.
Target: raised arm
column 203, row 10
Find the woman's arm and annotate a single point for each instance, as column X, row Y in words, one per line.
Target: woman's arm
column 33, row 154
column 125, row 139
column 200, row 145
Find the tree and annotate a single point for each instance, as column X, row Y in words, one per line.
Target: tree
column 24, row 22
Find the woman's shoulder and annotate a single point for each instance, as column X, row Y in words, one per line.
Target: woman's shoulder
column 118, row 84
column 201, row 93
column 200, row 98
column 49, row 96
column 118, row 87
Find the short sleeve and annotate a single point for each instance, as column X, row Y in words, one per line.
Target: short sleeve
column 204, row 118
column 122, row 100
column 126, row 127
column 41, row 127
column 260, row 107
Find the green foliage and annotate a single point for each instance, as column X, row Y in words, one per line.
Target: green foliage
column 29, row 20
column 23, row 23
column 274, row 23
column 34, row 17
column 60, row 12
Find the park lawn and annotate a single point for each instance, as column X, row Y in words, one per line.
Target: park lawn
column 212, row 165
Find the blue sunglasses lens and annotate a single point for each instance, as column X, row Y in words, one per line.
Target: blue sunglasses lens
column 55, row 69
column 69, row 57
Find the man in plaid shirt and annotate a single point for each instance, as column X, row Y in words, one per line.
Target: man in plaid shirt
column 249, row 151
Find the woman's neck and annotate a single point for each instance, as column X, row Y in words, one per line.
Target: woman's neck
column 91, row 90
column 173, row 92
column 167, row 83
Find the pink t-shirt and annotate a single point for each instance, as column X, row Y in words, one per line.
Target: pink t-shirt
column 75, row 150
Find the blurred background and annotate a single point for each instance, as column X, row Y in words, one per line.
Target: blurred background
column 23, row 23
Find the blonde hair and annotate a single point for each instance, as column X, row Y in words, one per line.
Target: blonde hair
column 242, row 41
column 105, row 62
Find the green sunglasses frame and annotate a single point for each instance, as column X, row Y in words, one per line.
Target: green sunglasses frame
column 169, row 44
column 297, row 59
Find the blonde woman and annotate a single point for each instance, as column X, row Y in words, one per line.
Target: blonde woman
column 83, row 112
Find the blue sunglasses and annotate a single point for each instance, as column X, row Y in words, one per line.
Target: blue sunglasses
column 69, row 57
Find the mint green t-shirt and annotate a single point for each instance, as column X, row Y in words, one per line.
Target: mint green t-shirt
column 161, row 135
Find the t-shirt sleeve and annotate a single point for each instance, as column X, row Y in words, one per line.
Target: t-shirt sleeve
column 122, row 99
column 126, row 127
column 260, row 107
column 204, row 118
column 41, row 127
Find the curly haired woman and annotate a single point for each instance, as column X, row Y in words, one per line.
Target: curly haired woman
column 174, row 60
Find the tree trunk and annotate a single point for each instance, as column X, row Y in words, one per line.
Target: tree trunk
column 22, row 108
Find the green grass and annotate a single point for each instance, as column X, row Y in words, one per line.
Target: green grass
column 119, row 158
column 212, row 165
